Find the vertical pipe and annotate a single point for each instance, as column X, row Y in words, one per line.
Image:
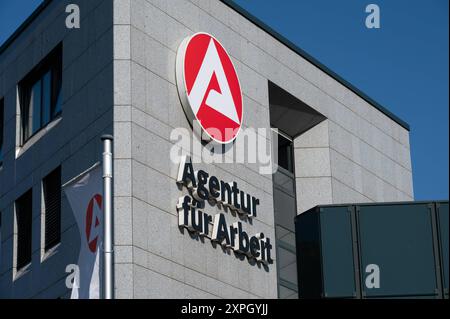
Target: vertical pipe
column 108, row 280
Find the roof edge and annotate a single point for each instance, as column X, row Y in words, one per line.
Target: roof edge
column 315, row 62
column 24, row 25
column 263, row 26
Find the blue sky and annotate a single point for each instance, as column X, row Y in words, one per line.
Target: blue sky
column 404, row 65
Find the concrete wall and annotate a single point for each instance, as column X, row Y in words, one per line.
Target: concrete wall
column 73, row 141
column 155, row 259
column 335, row 166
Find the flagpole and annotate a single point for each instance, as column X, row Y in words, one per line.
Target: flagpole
column 108, row 283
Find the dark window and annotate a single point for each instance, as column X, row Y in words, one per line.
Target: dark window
column 291, row 117
column 325, row 253
column 52, row 201
column 287, row 266
column 285, row 211
column 2, row 120
column 40, row 94
column 0, row 240
column 24, row 217
column 285, row 153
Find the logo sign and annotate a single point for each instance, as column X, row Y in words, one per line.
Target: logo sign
column 93, row 214
column 209, row 87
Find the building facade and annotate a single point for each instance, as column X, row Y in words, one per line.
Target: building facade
column 116, row 75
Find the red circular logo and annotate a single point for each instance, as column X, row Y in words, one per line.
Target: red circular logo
column 209, row 87
column 93, row 215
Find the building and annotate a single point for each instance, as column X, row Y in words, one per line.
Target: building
column 116, row 75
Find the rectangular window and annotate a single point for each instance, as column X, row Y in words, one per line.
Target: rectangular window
column 40, row 94
column 285, row 152
column 1, row 240
column 52, row 202
column 291, row 117
column 2, row 120
column 23, row 219
column 285, row 211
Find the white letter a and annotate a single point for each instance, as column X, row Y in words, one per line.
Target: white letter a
column 222, row 102
column 73, row 19
column 373, row 19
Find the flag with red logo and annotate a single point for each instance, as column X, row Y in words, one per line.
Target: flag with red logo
column 85, row 196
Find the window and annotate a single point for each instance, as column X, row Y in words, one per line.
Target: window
column 285, row 152
column 285, row 210
column 287, row 263
column 23, row 220
column 52, row 202
column 2, row 120
column 1, row 240
column 40, row 94
column 291, row 117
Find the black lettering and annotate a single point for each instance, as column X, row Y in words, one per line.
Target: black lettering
column 188, row 178
column 233, row 232
column 242, row 244
column 268, row 249
column 225, row 188
column 206, row 220
column 246, row 209
column 254, row 246
column 214, row 187
column 255, row 201
column 201, row 193
column 235, row 190
column 197, row 220
column 263, row 248
column 183, row 220
column 220, row 231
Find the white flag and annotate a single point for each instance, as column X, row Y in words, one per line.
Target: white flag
column 85, row 196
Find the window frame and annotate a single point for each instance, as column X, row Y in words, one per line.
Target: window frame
column 281, row 282
column 17, row 242
column 46, row 247
column 280, row 134
column 51, row 63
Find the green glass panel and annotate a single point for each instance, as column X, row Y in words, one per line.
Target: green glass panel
column 398, row 240
column 337, row 252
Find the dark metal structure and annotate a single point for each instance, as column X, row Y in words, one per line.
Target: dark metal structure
column 376, row 250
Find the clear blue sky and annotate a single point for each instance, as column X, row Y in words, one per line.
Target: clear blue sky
column 404, row 65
